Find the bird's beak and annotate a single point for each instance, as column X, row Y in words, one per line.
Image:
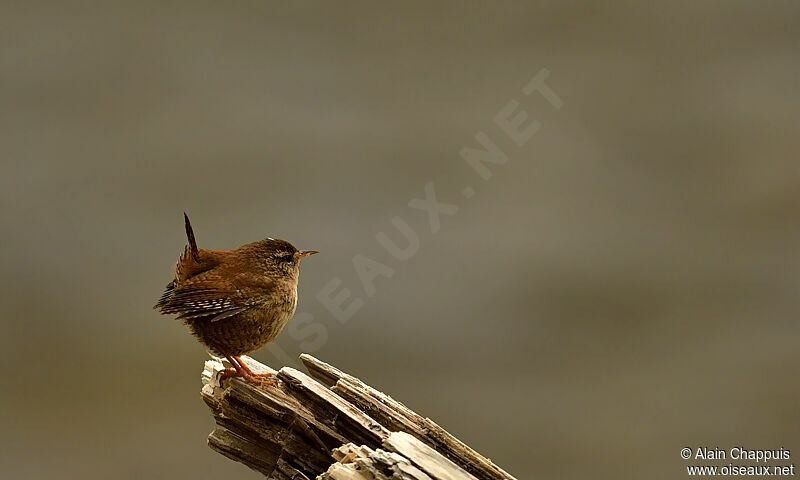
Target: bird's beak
column 306, row 253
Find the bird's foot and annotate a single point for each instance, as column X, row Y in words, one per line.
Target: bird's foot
column 242, row 371
column 254, row 378
column 228, row 373
column 261, row 379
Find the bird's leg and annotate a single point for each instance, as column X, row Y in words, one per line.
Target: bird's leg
column 255, row 378
column 236, row 371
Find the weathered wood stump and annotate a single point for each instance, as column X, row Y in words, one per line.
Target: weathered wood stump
column 332, row 427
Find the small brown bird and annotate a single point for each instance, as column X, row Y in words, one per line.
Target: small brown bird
column 235, row 301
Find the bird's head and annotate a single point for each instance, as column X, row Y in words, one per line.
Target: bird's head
column 277, row 256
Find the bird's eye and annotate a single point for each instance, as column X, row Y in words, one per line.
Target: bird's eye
column 287, row 258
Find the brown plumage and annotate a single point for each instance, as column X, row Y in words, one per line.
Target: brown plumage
column 235, row 301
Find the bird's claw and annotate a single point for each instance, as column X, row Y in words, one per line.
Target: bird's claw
column 258, row 379
column 261, row 379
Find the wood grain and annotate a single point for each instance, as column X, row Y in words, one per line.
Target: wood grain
column 330, row 425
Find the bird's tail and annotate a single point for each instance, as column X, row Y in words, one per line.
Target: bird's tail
column 190, row 237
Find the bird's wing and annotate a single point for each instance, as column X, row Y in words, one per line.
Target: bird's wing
column 208, row 296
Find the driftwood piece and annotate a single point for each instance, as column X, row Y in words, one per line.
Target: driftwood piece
column 397, row 417
column 330, row 425
column 363, row 463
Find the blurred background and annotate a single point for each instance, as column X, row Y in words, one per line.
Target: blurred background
column 624, row 286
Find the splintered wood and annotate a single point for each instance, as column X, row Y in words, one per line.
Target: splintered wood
column 331, row 426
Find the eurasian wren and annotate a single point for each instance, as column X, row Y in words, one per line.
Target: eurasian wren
column 235, row 301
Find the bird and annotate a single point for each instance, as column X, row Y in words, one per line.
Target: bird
column 235, row 301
